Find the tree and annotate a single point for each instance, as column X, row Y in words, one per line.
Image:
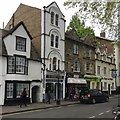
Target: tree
column 103, row 13
column 80, row 28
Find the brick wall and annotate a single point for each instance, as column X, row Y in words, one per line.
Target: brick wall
column 31, row 17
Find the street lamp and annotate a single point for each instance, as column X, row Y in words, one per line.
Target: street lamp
column 58, row 88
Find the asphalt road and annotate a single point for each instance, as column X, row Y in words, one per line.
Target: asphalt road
column 98, row 110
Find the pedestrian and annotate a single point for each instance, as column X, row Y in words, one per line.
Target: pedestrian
column 23, row 98
column 48, row 97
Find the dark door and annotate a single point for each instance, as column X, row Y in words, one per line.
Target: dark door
column 108, row 89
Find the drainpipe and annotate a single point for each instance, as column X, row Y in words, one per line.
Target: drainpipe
column 44, row 57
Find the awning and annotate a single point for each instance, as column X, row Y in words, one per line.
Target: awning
column 76, row 81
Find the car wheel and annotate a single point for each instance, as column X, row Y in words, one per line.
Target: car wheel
column 106, row 99
column 93, row 101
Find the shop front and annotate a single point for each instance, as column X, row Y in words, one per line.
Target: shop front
column 13, row 91
column 55, row 84
column 93, row 82
column 74, row 86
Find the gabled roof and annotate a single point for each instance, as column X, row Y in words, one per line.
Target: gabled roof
column 56, row 5
column 14, row 28
column 33, row 52
column 71, row 34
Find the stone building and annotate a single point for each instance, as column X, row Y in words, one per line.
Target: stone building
column 105, row 64
column 80, row 62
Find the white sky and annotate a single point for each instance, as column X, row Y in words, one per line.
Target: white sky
column 8, row 7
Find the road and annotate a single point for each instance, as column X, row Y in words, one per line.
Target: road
column 98, row 110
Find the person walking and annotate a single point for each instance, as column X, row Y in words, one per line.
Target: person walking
column 48, row 97
column 23, row 98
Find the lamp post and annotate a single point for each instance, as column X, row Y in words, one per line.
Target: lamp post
column 58, row 88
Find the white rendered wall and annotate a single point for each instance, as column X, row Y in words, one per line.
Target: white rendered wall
column 10, row 42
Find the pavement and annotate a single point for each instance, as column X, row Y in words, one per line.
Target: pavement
column 34, row 106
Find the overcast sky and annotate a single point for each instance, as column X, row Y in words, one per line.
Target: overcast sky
column 8, row 7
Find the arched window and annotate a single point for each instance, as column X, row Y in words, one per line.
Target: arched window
column 50, row 64
column 52, row 17
column 58, row 64
column 56, row 41
column 54, row 63
column 56, row 19
column 52, row 40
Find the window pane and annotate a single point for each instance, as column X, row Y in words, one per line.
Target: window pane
column 20, row 44
column 20, row 87
column 56, row 42
column 75, row 49
column 9, row 90
column 56, row 19
column 52, row 40
column 52, row 17
column 11, row 64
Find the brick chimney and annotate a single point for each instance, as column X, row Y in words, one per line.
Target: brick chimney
column 102, row 34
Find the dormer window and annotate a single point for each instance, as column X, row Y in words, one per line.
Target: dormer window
column 56, row 19
column 20, row 44
column 52, row 17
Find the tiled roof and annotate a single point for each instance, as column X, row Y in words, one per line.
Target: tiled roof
column 3, row 50
column 71, row 34
column 33, row 55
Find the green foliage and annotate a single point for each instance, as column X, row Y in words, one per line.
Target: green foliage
column 80, row 28
column 103, row 14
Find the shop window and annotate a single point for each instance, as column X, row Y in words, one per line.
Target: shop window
column 9, row 90
column 93, row 85
column 105, row 85
column 20, row 87
column 112, row 87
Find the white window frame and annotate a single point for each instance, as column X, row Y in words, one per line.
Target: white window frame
column 75, row 48
column 20, row 87
column 20, row 44
column 9, row 90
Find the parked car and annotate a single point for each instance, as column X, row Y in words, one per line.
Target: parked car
column 93, row 96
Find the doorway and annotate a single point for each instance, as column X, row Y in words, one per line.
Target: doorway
column 35, row 94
